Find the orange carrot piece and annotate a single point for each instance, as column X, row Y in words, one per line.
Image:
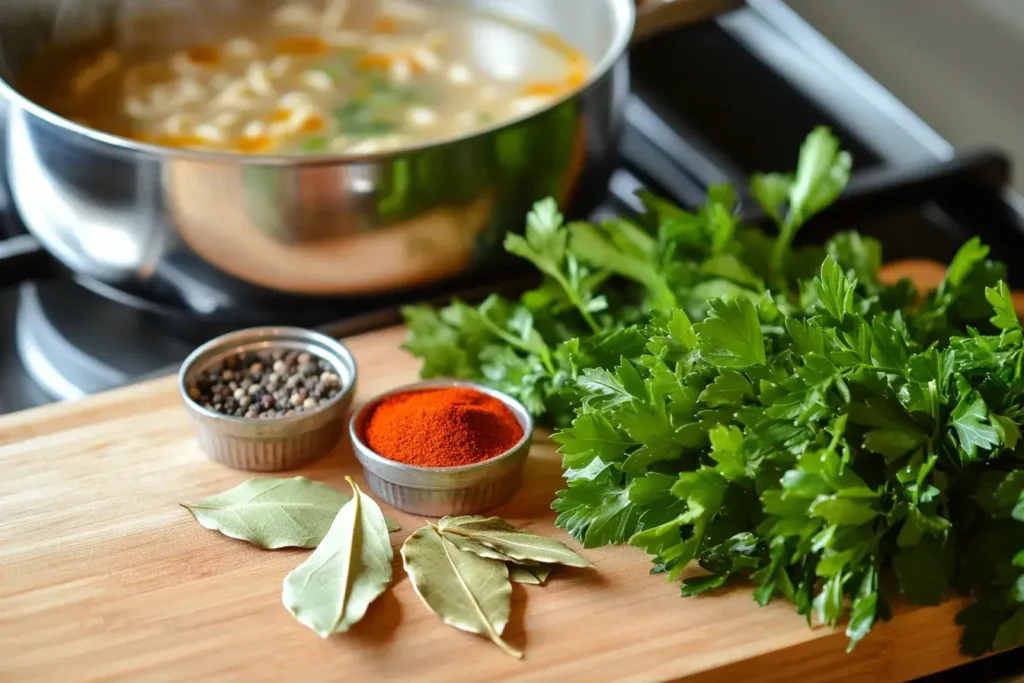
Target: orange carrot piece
column 279, row 115
column 179, row 141
column 314, row 124
column 301, row 46
column 207, row 55
column 253, row 145
column 577, row 76
column 578, row 67
column 558, row 44
column 543, row 89
column 373, row 60
column 385, row 25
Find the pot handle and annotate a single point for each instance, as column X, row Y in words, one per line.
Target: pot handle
column 23, row 258
column 657, row 16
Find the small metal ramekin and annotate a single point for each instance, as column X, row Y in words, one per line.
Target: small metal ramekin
column 277, row 443
column 440, row 491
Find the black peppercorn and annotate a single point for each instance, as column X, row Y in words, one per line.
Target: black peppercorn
column 266, row 384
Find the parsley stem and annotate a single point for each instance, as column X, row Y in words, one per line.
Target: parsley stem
column 577, row 302
column 778, row 258
column 779, row 252
column 882, row 369
column 589, row 319
column 543, row 351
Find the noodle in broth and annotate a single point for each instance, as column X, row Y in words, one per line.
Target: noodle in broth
column 314, row 78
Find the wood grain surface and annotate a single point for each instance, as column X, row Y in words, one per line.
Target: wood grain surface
column 104, row 577
column 659, row 16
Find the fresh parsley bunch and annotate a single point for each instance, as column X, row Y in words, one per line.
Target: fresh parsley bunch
column 775, row 414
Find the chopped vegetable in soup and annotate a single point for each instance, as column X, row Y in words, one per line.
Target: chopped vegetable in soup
column 338, row 76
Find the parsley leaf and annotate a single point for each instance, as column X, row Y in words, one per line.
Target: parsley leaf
column 591, row 436
column 597, row 513
column 835, row 291
column 822, row 172
column 973, row 428
column 1005, row 317
column 834, row 441
column 546, row 246
column 731, row 335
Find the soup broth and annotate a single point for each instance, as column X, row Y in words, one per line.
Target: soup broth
column 337, row 76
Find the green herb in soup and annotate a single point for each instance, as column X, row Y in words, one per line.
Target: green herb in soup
column 328, row 77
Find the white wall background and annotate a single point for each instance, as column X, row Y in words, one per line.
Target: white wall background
column 959, row 64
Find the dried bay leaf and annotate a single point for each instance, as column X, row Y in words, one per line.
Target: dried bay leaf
column 534, row 575
column 500, row 536
column 351, row 567
column 273, row 513
column 519, row 571
column 469, row 592
column 470, row 545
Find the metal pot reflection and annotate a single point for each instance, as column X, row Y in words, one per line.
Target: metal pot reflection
column 122, row 212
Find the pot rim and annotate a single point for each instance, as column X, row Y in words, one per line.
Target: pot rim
column 624, row 22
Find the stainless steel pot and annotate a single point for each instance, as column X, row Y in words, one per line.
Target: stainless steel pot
column 165, row 222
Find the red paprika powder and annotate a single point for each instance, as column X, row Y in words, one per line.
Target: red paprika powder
column 444, row 427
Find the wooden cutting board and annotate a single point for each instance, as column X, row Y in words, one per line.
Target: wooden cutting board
column 104, row 577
